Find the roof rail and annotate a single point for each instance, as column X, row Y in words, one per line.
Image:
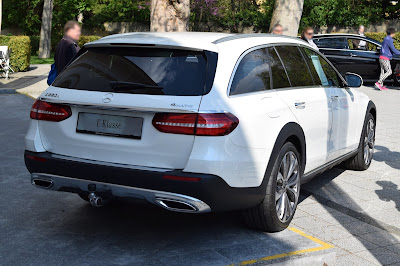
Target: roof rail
column 251, row 35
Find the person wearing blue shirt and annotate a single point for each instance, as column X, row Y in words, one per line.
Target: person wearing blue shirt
column 387, row 51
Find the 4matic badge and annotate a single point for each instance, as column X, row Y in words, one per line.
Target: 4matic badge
column 182, row 105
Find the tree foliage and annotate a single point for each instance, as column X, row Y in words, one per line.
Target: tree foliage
column 117, row 11
column 350, row 13
column 228, row 15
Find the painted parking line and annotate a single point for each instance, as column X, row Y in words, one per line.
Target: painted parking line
column 291, row 253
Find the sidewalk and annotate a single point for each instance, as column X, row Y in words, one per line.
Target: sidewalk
column 32, row 82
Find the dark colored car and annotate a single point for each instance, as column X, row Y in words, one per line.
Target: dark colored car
column 343, row 52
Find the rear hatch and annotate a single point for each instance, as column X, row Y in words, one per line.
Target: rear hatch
column 114, row 94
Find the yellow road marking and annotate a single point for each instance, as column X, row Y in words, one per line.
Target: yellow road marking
column 291, row 253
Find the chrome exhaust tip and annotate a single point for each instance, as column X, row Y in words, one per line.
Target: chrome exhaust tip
column 95, row 200
column 176, row 205
column 42, row 183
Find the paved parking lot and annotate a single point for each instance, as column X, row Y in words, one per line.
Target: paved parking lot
column 344, row 217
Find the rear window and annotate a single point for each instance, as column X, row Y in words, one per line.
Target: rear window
column 141, row 71
column 336, row 43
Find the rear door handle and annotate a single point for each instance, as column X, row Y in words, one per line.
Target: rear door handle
column 353, row 55
column 334, row 97
column 300, row 105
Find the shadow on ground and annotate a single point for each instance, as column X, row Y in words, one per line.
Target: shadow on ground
column 350, row 216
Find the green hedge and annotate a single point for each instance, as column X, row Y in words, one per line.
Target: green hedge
column 379, row 36
column 35, row 44
column 56, row 39
column 86, row 39
column 20, row 51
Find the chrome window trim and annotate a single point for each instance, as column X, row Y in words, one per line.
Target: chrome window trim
column 347, row 50
column 286, row 88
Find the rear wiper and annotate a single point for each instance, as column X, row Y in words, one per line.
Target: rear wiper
column 123, row 85
column 137, row 88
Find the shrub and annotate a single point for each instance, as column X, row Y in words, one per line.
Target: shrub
column 379, row 36
column 35, row 44
column 86, row 39
column 20, row 51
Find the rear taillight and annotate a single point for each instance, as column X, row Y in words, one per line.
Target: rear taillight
column 50, row 111
column 218, row 124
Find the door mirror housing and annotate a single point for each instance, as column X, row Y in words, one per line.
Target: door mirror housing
column 353, row 80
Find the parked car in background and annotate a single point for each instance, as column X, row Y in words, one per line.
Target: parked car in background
column 198, row 122
column 343, row 52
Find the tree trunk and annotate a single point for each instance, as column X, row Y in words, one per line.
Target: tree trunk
column 169, row 15
column 45, row 30
column 1, row 11
column 288, row 14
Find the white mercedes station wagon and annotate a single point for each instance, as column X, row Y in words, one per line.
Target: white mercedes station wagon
column 199, row 122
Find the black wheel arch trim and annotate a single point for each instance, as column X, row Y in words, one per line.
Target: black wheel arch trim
column 288, row 131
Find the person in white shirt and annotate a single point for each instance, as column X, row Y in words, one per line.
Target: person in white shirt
column 360, row 44
column 307, row 35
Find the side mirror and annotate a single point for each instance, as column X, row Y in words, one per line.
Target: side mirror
column 353, row 80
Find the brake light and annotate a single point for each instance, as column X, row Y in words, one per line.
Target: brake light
column 217, row 124
column 50, row 111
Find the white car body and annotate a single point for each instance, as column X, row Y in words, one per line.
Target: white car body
column 331, row 118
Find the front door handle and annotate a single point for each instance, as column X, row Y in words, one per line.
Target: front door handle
column 353, row 55
column 334, row 97
column 300, row 105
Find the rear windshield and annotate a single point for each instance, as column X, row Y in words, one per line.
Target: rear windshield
column 140, row 71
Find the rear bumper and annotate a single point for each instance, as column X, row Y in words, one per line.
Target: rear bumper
column 208, row 193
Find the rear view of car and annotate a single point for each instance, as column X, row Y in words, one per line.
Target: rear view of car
column 122, row 119
column 198, row 122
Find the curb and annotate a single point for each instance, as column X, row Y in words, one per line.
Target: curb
column 7, row 91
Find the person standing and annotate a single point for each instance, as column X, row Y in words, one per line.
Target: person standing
column 277, row 29
column 68, row 47
column 307, row 34
column 360, row 44
column 386, row 54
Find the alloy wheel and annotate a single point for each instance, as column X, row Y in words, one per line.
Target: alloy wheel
column 287, row 186
column 369, row 141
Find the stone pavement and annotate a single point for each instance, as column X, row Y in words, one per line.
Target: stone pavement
column 32, row 82
column 359, row 212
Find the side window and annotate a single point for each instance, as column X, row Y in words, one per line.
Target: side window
column 336, row 43
column 295, row 66
column 279, row 77
column 327, row 76
column 359, row 44
column 252, row 74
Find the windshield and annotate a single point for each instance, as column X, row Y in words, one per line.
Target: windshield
column 139, row 71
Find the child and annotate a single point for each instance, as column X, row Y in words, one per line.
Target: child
column 387, row 50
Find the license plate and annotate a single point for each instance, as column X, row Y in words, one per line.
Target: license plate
column 110, row 125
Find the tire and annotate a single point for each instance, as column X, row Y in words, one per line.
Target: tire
column 363, row 159
column 279, row 190
column 396, row 80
